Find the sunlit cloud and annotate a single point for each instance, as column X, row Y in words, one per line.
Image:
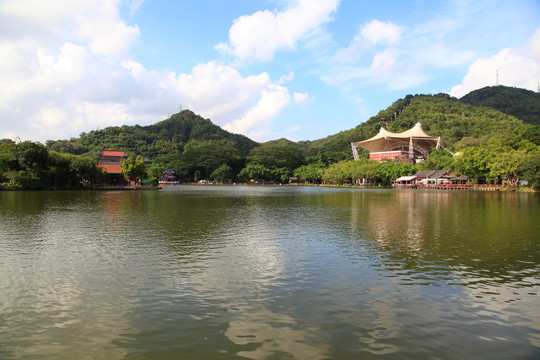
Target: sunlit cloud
column 58, row 83
column 244, row 105
column 257, row 37
column 519, row 67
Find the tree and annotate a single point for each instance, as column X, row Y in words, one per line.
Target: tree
column 531, row 169
column 336, row 173
column 391, row 171
column 273, row 156
column 222, row 173
column 208, row 156
column 28, row 164
column 134, row 168
column 155, row 171
column 438, row 159
column 312, row 173
column 369, row 170
column 473, row 162
column 253, row 172
column 507, row 166
column 281, row 175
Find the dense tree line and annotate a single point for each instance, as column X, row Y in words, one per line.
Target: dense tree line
column 489, row 146
column 170, row 136
column 30, row 165
column 440, row 115
column 520, row 103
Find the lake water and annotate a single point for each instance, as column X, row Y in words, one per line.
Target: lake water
column 235, row 272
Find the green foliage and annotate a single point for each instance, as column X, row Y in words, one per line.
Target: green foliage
column 531, row 169
column 134, row 168
column 312, row 173
column 391, row 171
column 72, row 146
column 165, row 137
column 440, row 115
column 277, row 155
column 493, row 144
column 497, row 162
column 29, row 165
column 222, row 173
column 253, row 172
column 281, row 175
column 185, row 143
column 155, row 171
column 368, row 170
column 208, row 156
column 438, row 160
column 520, row 103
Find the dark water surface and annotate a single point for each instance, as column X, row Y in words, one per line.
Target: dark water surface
column 202, row 272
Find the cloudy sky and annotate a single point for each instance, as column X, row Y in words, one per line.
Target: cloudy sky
column 299, row 69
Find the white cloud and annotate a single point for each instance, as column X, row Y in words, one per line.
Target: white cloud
column 71, row 73
column 519, row 67
column 374, row 34
column 254, row 123
column 46, row 23
column 239, row 104
column 302, row 98
column 377, row 32
column 376, row 56
column 384, row 61
column 61, row 72
column 260, row 35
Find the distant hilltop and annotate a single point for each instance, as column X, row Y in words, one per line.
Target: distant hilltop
column 494, row 131
column 520, row 103
column 481, row 113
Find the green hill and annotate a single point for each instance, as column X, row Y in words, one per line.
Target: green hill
column 163, row 138
column 440, row 115
column 197, row 149
column 458, row 122
column 520, row 103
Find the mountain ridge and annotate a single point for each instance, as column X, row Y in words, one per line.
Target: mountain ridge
column 457, row 121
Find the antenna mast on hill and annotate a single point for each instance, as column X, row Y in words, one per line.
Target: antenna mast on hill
column 497, row 83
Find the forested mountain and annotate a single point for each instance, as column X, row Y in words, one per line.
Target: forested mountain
column 520, row 103
column 163, row 138
column 440, row 115
column 493, row 146
column 457, row 122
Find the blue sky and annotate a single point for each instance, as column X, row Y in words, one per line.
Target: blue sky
column 301, row 69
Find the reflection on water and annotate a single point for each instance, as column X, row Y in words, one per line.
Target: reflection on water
column 272, row 334
column 269, row 272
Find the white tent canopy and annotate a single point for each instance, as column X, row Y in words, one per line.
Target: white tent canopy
column 414, row 138
column 406, row 178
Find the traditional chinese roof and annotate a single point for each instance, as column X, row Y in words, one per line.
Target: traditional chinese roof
column 112, row 169
column 110, row 161
column 432, row 174
column 112, row 153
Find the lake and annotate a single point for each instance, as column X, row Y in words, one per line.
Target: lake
column 269, row 272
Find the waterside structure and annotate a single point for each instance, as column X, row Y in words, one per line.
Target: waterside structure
column 413, row 144
column 439, row 180
column 111, row 162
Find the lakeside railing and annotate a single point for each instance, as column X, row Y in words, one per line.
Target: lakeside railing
column 447, row 187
